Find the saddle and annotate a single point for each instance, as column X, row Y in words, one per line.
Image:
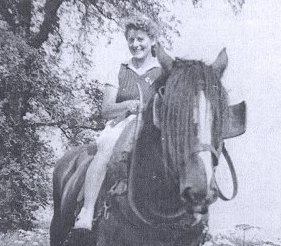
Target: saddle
column 236, row 122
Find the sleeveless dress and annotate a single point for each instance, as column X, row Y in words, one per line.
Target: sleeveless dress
column 128, row 79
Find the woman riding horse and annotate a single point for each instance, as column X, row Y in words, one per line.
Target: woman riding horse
column 121, row 99
column 170, row 176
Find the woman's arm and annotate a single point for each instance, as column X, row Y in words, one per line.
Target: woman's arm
column 111, row 109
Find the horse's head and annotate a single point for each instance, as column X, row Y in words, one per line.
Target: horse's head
column 189, row 108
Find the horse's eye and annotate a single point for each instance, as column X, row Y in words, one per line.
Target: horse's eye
column 161, row 91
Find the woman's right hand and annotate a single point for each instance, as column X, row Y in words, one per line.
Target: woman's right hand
column 133, row 106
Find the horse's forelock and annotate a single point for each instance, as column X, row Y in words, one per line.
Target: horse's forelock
column 178, row 131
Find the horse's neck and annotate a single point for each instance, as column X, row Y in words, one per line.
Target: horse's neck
column 147, row 156
column 150, row 188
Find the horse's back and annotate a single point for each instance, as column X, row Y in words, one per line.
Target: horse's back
column 72, row 160
column 68, row 179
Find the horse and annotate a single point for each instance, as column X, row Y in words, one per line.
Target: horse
column 169, row 176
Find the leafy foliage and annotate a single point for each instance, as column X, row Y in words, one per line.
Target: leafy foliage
column 234, row 239
column 236, row 5
column 32, row 98
column 242, row 235
column 36, row 19
column 24, row 158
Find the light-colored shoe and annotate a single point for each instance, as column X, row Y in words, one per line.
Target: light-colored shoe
column 84, row 219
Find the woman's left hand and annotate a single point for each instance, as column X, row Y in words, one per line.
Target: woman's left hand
column 133, row 106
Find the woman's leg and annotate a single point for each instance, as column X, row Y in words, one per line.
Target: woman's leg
column 93, row 181
column 97, row 171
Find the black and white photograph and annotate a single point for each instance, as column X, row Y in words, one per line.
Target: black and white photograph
column 140, row 122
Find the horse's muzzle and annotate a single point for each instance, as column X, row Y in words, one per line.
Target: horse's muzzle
column 198, row 203
column 189, row 195
column 199, row 197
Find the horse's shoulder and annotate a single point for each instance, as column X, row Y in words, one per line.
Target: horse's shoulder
column 90, row 149
column 73, row 159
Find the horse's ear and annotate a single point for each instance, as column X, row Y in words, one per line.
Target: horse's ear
column 164, row 59
column 157, row 102
column 220, row 63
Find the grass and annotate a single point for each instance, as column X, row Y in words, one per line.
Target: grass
column 39, row 236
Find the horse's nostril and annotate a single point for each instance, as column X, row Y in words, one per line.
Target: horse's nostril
column 186, row 194
column 191, row 196
column 204, row 210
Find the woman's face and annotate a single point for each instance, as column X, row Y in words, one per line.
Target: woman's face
column 139, row 43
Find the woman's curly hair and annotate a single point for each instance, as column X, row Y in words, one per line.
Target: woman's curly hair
column 141, row 23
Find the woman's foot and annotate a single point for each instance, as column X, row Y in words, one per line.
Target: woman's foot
column 84, row 219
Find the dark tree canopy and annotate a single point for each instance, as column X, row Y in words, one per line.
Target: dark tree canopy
column 19, row 14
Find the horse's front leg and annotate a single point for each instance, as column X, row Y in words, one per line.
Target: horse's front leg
column 195, row 237
column 55, row 233
column 55, row 227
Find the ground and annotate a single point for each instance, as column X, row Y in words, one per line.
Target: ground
column 39, row 236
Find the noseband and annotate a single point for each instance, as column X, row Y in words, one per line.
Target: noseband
column 217, row 153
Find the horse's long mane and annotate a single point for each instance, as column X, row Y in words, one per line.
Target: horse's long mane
column 178, row 128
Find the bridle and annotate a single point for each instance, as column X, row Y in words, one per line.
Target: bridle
column 217, row 153
column 221, row 150
column 182, row 224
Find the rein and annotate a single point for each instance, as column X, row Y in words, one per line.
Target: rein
column 139, row 114
column 233, row 176
column 137, row 131
column 179, row 214
column 202, row 147
column 217, row 153
column 178, row 220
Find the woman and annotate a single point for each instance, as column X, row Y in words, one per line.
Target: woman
column 121, row 98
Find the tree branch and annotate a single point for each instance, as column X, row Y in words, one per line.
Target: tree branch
column 7, row 14
column 64, row 132
column 97, row 128
column 25, row 10
column 60, row 123
column 49, row 23
column 43, row 124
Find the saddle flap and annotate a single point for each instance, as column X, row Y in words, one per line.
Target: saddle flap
column 236, row 124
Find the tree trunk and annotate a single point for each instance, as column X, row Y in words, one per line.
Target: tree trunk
column 49, row 24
